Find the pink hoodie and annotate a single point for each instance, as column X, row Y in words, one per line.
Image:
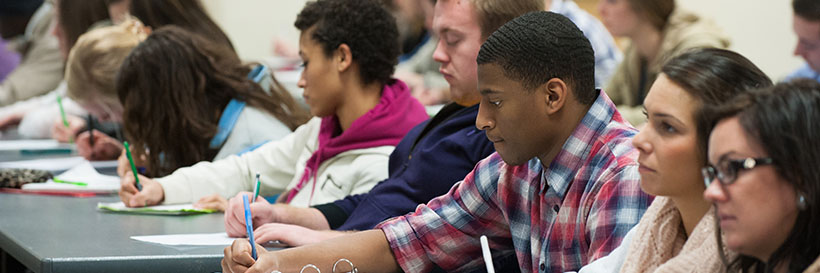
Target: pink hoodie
column 385, row 124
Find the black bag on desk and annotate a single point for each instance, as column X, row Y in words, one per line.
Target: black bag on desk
column 16, row 178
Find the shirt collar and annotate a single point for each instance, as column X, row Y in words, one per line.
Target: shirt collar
column 576, row 149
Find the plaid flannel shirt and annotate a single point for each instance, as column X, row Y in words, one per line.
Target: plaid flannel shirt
column 554, row 219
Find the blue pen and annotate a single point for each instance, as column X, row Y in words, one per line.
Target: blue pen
column 249, row 225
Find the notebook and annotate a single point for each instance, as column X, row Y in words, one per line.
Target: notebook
column 182, row 209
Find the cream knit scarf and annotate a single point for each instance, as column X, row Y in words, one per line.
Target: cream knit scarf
column 660, row 243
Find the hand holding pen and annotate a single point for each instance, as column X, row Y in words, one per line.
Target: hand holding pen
column 137, row 190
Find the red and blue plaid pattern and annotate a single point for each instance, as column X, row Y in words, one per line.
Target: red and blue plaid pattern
column 554, row 220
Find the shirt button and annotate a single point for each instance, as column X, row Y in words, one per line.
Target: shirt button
column 556, row 208
column 543, row 267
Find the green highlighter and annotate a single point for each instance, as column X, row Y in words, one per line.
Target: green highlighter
column 133, row 167
column 57, row 180
column 62, row 113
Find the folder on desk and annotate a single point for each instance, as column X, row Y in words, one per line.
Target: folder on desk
column 182, row 209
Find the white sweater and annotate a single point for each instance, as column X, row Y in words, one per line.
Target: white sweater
column 281, row 165
column 253, row 127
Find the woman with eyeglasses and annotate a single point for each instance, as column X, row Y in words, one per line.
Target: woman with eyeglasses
column 673, row 234
column 763, row 154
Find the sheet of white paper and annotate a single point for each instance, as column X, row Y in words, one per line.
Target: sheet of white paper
column 201, row 239
column 32, row 144
column 82, row 173
column 49, row 164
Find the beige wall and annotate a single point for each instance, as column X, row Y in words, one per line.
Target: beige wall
column 253, row 25
column 760, row 29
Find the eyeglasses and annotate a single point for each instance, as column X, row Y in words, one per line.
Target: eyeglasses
column 727, row 171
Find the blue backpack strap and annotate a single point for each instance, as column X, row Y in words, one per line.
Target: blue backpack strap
column 258, row 73
column 231, row 113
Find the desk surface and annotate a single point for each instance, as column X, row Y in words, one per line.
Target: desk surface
column 64, row 234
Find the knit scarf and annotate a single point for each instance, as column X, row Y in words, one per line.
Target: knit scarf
column 384, row 125
column 660, row 243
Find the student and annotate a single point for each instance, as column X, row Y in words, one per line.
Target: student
column 607, row 54
column 561, row 191
column 363, row 114
column 36, row 115
column 806, row 24
column 658, row 30
column 26, row 25
column 676, row 232
column 428, row 161
column 764, row 181
column 188, row 14
column 231, row 127
column 417, row 66
column 92, row 64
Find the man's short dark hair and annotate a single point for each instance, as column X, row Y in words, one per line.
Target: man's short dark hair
column 364, row 25
column 807, row 9
column 539, row 46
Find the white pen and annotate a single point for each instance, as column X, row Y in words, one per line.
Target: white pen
column 488, row 257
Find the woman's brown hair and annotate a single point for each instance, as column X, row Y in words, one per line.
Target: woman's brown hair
column 188, row 14
column 77, row 16
column 657, row 12
column 782, row 119
column 173, row 87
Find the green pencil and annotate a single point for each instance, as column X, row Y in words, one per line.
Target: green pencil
column 133, row 167
column 62, row 113
column 256, row 189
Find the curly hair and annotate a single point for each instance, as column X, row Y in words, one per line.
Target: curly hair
column 783, row 120
column 363, row 25
column 539, row 46
column 173, row 87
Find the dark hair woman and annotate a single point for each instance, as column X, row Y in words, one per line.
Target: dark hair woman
column 177, row 83
column 763, row 178
column 676, row 232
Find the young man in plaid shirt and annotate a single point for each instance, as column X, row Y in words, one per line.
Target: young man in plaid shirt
column 562, row 189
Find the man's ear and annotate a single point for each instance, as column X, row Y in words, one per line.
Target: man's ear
column 343, row 57
column 555, row 92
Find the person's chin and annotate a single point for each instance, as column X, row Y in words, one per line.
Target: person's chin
column 649, row 185
column 509, row 159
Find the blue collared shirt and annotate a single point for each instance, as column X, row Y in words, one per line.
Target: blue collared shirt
column 804, row 71
column 607, row 54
